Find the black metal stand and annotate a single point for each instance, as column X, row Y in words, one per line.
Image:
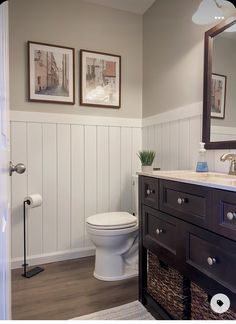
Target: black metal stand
column 36, row 270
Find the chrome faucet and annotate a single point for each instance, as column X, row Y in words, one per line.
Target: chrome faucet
column 230, row 157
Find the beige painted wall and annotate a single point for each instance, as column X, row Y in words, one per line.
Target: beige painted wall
column 76, row 24
column 173, row 56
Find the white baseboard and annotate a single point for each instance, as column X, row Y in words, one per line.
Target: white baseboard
column 53, row 257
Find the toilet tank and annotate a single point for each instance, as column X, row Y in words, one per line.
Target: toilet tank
column 135, row 195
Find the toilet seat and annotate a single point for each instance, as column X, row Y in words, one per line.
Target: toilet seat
column 111, row 221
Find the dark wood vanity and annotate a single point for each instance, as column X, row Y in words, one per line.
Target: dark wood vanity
column 192, row 229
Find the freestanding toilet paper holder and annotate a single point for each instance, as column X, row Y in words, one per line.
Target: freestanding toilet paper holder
column 36, row 270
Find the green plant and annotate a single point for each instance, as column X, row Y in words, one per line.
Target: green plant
column 146, row 157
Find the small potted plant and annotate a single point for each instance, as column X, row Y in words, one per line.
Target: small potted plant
column 146, row 158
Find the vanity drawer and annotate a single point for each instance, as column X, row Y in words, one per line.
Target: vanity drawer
column 224, row 213
column 149, row 191
column 212, row 255
column 160, row 234
column 186, row 201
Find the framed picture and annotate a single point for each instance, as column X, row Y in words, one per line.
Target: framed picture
column 218, row 92
column 100, row 79
column 51, row 73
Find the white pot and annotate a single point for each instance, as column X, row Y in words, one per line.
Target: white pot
column 147, row 168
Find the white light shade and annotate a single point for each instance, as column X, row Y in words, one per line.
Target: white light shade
column 210, row 11
column 227, row 7
column 206, row 13
column 224, row 3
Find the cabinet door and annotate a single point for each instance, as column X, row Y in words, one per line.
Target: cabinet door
column 149, row 191
column 161, row 234
column 224, row 213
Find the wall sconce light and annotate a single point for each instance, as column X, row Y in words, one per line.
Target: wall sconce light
column 210, row 11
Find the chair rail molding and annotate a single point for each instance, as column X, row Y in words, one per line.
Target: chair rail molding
column 187, row 111
column 72, row 119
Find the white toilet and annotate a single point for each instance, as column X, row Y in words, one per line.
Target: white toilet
column 115, row 236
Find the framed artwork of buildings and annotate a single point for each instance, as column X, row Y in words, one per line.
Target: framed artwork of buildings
column 100, row 79
column 51, row 73
column 218, row 95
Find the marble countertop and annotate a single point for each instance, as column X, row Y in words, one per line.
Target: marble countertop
column 207, row 179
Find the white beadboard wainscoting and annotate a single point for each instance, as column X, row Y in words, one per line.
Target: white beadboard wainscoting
column 81, row 166
column 223, row 133
column 175, row 136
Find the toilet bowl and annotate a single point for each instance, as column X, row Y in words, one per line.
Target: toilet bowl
column 115, row 236
column 112, row 241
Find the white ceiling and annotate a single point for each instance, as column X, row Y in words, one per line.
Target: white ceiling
column 135, row 6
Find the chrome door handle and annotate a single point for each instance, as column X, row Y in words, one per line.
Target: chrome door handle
column 19, row 168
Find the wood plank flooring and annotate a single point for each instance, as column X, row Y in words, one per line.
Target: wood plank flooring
column 65, row 290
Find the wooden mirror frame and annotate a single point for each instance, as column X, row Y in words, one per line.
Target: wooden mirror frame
column 206, row 123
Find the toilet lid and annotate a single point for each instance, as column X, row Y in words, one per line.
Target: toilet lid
column 112, row 220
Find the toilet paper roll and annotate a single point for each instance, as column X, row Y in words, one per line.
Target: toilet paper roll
column 34, row 200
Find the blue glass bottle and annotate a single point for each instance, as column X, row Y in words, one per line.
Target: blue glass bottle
column 202, row 165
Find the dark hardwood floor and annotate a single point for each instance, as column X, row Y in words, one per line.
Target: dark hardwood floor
column 65, row 290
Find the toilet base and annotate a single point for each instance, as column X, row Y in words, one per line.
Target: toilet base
column 128, row 273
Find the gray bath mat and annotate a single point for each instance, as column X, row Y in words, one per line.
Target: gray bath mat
column 131, row 311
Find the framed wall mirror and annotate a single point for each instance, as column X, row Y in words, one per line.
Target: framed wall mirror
column 219, row 97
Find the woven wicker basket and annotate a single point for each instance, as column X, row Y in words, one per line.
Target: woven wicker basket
column 200, row 306
column 169, row 288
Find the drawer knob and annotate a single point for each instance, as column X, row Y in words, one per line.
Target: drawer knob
column 181, row 201
column 159, row 231
column 150, row 191
column 211, row 261
column 231, row 216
